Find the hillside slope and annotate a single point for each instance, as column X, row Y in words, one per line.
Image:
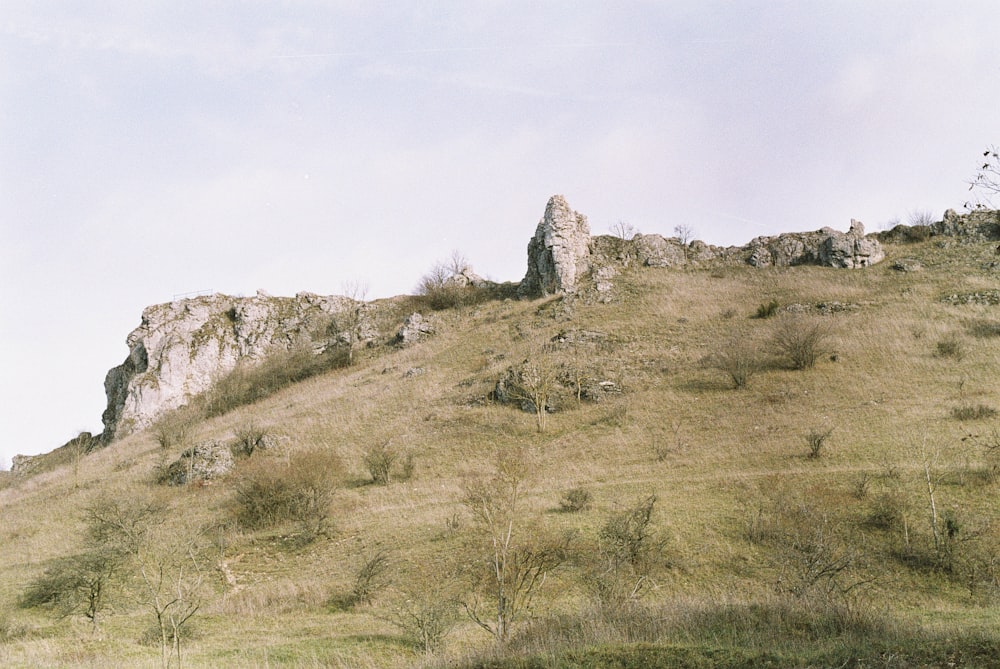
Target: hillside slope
column 758, row 541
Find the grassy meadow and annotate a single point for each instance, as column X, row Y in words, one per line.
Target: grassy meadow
column 875, row 547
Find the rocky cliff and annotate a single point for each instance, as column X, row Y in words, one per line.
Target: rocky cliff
column 182, row 347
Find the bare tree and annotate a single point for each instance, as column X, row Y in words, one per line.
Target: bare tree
column 535, row 383
column 347, row 322
column 623, row 230
column 517, row 565
column 171, row 582
column 685, row 233
column 986, row 183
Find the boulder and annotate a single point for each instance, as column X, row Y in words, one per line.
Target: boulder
column 415, row 328
column 559, row 253
column 202, row 462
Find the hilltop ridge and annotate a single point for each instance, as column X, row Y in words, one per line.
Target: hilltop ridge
column 182, row 347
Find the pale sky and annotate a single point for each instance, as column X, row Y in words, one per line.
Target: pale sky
column 149, row 149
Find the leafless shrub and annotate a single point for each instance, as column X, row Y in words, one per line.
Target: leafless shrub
column 629, row 551
column 270, row 492
column 738, row 359
column 250, row 438
column 801, row 340
column 379, row 460
column 971, row 411
column 815, row 440
column 371, row 577
column 446, row 285
column 984, row 328
column 986, row 184
column 575, row 499
column 920, row 217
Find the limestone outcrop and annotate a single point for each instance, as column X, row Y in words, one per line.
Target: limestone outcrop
column 975, row 226
column 827, row 247
column 182, row 347
column 201, row 463
column 559, row 253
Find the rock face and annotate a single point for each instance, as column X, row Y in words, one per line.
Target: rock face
column 182, row 347
column 559, row 253
column 415, row 328
column 826, row 247
column 975, row 226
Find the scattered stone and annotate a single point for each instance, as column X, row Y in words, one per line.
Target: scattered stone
column 907, row 265
column 414, row 371
column 982, row 297
column 579, row 337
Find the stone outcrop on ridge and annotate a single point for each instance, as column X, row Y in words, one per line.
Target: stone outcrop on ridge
column 559, row 253
column 182, row 347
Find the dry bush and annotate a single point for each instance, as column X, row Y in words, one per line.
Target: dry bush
column 815, row 440
column 767, row 309
column 372, row 576
column 270, row 492
column 425, row 612
column 575, row 499
column 984, row 328
column 921, row 218
column 801, row 340
column 738, row 358
column 446, row 285
column 950, row 347
column 11, row 630
column 630, row 552
column 249, row 383
column 173, row 429
column 379, row 460
column 251, row 438
column 514, row 563
column 970, row 411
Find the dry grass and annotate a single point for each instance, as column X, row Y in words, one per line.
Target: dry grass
column 678, row 431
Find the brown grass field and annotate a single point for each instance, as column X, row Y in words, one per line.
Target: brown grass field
column 746, row 521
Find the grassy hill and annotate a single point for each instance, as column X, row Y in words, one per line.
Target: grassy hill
column 844, row 514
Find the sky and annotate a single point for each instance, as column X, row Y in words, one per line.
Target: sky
column 152, row 149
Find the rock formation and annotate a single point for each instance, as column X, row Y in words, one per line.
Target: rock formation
column 182, row 347
column 826, row 247
column 200, row 463
column 559, row 253
column 975, row 226
column 414, row 328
